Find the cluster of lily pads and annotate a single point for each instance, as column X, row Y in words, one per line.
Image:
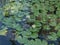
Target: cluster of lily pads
column 33, row 22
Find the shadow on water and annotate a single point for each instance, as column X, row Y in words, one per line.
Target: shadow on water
column 5, row 41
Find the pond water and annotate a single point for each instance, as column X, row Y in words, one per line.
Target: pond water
column 5, row 41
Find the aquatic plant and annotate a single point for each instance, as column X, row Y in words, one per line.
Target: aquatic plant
column 31, row 22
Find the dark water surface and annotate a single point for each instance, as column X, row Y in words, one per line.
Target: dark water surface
column 5, row 41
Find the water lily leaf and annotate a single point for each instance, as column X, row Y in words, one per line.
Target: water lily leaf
column 34, row 35
column 53, row 36
column 22, row 40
